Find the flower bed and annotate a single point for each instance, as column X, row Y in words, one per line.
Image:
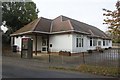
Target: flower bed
column 65, row 53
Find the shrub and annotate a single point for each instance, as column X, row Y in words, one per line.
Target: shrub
column 66, row 53
column 89, row 51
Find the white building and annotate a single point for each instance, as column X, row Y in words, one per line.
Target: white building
column 62, row 34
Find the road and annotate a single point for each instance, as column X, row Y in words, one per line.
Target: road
column 26, row 68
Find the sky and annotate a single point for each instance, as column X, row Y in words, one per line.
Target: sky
column 87, row 11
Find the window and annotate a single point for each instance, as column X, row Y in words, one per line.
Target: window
column 94, row 42
column 76, row 42
column 106, row 42
column 90, row 41
column 79, row 41
column 44, row 49
column 44, row 42
column 82, row 42
column 103, row 42
column 99, row 43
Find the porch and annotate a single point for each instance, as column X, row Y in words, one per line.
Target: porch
column 40, row 42
column 38, row 30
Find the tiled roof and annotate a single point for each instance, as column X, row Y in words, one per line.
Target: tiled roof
column 61, row 24
column 38, row 25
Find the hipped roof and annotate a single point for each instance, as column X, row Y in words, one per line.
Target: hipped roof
column 61, row 24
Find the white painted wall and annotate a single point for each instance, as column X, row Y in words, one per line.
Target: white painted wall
column 94, row 47
column 86, row 43
column 67, row 42
column 101, row 42
column 60, row 42
column 79, row 49
column 18, row 42
column 110, row 44
column 90, row 47
column 39, row 43
column 64, row 42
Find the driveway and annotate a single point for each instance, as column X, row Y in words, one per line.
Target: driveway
column 29, row 68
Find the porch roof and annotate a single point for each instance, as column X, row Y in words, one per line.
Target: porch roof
column 40, row 25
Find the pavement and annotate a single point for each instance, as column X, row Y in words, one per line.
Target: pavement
column 15, row 67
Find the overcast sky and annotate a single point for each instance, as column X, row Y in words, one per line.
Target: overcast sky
column 88, row 11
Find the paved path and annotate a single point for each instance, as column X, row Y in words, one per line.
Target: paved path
column 26, row 68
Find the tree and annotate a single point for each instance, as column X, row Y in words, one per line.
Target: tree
column 113, row 21
column 16, row 15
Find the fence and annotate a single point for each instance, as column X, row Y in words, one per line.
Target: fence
column 108, row 58
column 115, row 44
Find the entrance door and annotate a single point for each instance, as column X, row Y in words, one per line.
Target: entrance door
column 44, row 45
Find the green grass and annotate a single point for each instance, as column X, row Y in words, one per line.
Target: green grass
column 62, row 68
column 106, row 71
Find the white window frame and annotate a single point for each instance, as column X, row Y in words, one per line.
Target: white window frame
column 104, row 42
column 91, row 42
column 94, row 42
column 79, row 41
column 107, row 43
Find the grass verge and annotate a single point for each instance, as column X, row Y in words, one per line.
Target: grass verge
column 106, row 71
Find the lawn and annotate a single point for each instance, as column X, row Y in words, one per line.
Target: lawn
column 106, row 71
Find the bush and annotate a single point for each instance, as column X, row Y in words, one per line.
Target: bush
column 89, row 51
column 66, row 53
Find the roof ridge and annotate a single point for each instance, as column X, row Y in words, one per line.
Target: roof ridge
column 70, row 24
column 105, row 35
column 57, row 17
column 34, row 27
column 51, row 26
column 91, row 32
column 61, row 18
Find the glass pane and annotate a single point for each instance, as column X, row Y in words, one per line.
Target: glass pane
column 82, row 42
column 90, row 42
column 76, row 42
column 43, row 42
